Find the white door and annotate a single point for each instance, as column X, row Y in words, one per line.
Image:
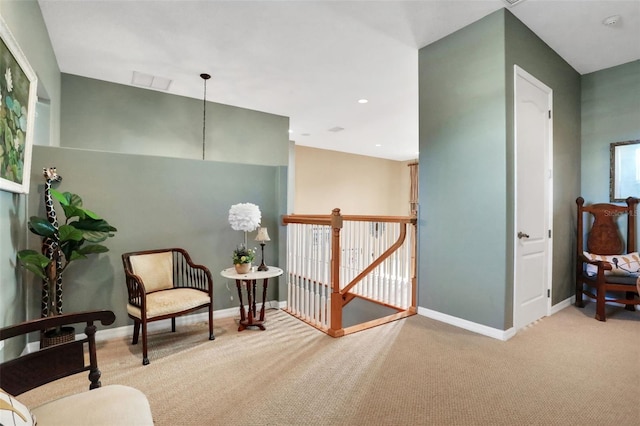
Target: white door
column 533, row 174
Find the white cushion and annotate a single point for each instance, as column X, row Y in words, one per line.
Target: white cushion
column 155, row 269
column 170, row 301
column 13, row 412
column 106, row 406
column 621, row 264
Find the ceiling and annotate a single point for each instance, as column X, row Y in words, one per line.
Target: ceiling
column 313, row 60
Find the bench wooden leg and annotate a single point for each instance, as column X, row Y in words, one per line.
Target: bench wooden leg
column 600, row 314
column 579, row 302
column 211, row 336
column 136, row 332
column 145, row 358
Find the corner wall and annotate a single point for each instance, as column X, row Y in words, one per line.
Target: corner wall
column 466, row 235
column 527, row 50
column 463, row 181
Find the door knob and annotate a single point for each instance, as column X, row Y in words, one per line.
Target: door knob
column 522, row 235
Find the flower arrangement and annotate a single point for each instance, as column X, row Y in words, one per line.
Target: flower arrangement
column 244, row 217
column 242, row 254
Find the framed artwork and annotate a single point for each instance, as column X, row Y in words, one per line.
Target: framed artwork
column 624, row 179
column 18, row 85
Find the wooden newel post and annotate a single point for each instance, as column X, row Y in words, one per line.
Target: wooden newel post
column 335, row 328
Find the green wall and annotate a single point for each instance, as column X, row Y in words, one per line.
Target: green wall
column 102, row 116
column 526, row 50
column 24, row 20
column 466, row 174
column 610, row 113
column 154, row 202
column 462, row 233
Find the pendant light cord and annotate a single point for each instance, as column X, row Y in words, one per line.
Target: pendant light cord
column 205, row 77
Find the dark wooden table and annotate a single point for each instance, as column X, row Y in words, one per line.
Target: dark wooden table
column 248, row 316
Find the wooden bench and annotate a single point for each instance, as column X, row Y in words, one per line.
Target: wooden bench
column 112, row 404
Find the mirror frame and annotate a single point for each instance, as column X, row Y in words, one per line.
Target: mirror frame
column 615, row 173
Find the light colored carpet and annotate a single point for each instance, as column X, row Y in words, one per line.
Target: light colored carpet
column 567, row 369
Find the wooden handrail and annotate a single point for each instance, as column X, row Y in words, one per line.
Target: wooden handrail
column 342, row 296
column 317, row 219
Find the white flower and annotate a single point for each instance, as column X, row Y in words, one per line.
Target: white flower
column 244, row 217
column 9, row 79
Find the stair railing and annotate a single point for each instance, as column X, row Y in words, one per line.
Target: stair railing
column 375, row 256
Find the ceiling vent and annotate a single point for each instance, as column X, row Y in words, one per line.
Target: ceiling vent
column 511, row 3
column 151, row 81
column 336, row 129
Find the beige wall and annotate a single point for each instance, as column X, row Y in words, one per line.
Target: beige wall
column 356, row 184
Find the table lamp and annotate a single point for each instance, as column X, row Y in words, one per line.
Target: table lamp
column 262, row 237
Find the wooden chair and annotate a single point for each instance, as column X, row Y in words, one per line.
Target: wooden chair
column 111, row 404
column 605, row 264
column 165, row 284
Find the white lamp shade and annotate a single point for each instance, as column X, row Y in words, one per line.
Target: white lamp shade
column 263, row 235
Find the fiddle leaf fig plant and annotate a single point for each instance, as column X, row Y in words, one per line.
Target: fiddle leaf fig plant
column 78, row 237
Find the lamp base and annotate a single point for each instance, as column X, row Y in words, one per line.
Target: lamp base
column 262, row 266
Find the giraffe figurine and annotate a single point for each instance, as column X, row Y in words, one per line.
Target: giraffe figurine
column 50, row 247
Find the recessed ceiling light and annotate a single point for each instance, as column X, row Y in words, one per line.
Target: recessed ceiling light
column 363, row 101
column 611, row 20
column 290, row 131
column 336, row 129
column 378, row 144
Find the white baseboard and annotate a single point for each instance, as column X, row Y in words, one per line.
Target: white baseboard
column 127, row 330
column 483, row 329
column 560, row 306
column 467, row 325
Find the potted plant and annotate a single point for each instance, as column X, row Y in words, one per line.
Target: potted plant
column 75, row 239
column 242, row 258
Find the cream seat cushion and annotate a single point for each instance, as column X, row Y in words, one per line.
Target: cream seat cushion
column 155, row 269
column 170, row 301
column 621, row 264
column 105, row 406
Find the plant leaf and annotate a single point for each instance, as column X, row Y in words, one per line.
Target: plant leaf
column 68, row 232
column 91, row 214
column 95, row 236
column 93, row 225
column 93, row 249
column 34, row 261
column 73, row 211
column 62, row 199
column 76, row 256
column 41, row 226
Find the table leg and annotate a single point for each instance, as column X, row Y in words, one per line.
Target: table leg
column 255, row 296
column 251, row 301
column 243, row 316
column 264, row 297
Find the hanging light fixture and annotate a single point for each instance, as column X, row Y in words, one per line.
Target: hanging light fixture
column 204, row 77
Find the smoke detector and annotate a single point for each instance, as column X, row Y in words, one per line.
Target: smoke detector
column 611, row 20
